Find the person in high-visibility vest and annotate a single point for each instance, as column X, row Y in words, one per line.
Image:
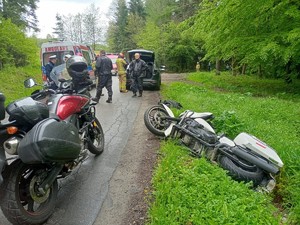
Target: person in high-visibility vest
column 121, row 66
column 198, row 67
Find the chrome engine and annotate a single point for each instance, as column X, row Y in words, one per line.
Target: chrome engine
column 197, row 139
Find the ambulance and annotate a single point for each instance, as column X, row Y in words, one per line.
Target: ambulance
column 62, row 48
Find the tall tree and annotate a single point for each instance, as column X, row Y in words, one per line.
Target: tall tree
column 136, row 22
column 83, row 27
column 164, row 34
column 136, row 7
column 160, row 11
column 92, row 31
column 134, row 28
column 78, row 27
column 262, row 35
column 184, row 9
column 59, row 27
column 21, row 12
column 118, row 26
column 68, row 27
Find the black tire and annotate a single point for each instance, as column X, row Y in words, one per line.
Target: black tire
column 251, row 173
column 20, row 203
column 96, row 138
column 154, row 122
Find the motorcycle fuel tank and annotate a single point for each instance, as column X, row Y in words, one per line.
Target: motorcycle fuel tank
column 258, row 146
column 66, row 105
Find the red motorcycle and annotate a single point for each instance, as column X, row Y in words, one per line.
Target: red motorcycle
column 46, row 142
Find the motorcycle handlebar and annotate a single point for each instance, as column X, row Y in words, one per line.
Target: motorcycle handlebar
column 42, row 93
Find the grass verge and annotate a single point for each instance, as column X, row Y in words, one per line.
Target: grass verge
column 12, row 81
column 268, row 109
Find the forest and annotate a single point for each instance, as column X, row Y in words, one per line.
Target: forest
column 253, row 37
column 260, row 38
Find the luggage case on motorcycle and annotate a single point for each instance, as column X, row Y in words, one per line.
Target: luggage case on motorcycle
column 2, row 107
column 27, row 111
column 50, row 141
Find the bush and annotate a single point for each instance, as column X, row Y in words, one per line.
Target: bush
column 17, row 51
column 228, row 123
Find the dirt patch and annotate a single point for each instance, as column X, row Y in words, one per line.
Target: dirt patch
column 172, row 77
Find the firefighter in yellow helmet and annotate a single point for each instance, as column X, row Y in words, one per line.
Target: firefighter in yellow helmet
column 121, row 67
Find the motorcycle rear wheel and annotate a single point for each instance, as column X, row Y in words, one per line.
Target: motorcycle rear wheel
column 96, row 138
column 20, row 202
column 154, row 122
column 253, row 173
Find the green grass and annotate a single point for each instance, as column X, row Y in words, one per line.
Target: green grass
column 12, row 81
column 193, row 191
column 268, row 109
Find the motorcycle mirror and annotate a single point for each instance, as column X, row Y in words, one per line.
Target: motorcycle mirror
column 29, row 83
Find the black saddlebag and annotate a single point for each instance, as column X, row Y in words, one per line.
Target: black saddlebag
column 2, row 107
column 27, row 111
column 50, row 141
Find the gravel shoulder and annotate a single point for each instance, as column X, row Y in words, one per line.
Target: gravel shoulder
column 129, row 188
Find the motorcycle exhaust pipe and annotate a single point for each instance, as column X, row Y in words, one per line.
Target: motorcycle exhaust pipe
column 263, row 164
column 2, row 163
column 11, row 145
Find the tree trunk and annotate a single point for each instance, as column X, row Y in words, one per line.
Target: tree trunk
column 234, row 67
column 288, row 78
column 260, row 71
column 218, row 67
column 244, row 69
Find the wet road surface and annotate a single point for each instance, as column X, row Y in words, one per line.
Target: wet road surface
column 82, row 193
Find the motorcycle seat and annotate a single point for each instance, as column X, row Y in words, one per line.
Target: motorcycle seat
column 205, row 115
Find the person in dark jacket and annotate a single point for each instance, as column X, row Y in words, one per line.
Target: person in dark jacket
column 48, row 68
column 103, row 71
column 137, row 70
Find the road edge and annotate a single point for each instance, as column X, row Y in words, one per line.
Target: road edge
column 130, row 185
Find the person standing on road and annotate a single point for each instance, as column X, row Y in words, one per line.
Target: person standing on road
column 48, row 68
column 103, row 71
column 137, row 70
column 121, row 66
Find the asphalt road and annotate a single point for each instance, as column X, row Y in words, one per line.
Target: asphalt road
column 82, row 194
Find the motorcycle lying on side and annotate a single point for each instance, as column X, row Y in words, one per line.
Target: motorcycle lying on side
column 43, row 143
column 246, row 158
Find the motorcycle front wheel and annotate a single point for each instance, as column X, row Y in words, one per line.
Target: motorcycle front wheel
column 243, row 171
column 21, row 202
column 154, row 121
column 96, row 138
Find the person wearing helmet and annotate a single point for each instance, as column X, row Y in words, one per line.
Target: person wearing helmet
column 48, row 69
column 121, row 66
column 78, row 69
column 103, row 71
